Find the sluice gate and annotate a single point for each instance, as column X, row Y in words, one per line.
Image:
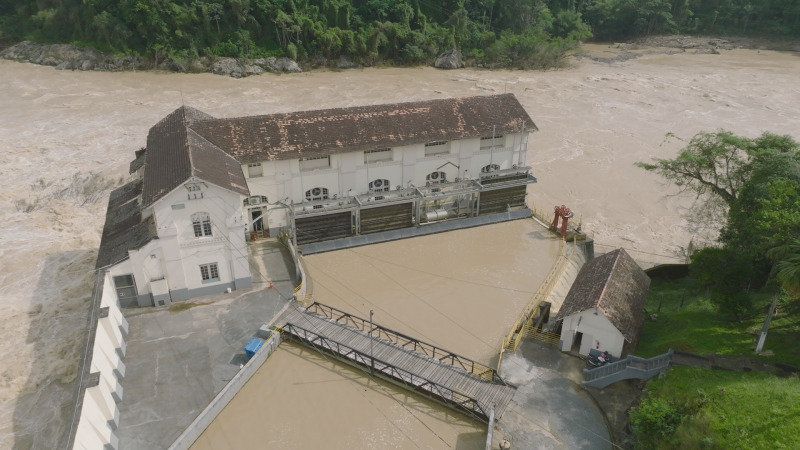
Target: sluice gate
column 406, row 208
column 443, row 376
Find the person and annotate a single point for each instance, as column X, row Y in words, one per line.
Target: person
column 603, row 358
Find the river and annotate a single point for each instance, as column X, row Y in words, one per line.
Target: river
column 596, row 120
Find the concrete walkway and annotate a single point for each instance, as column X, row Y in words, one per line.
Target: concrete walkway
column 178, row 360
column 549, row 410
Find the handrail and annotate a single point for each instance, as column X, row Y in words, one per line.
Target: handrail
column 407, row 342
column 416, row 382
column 630, row 361
column 515, row 334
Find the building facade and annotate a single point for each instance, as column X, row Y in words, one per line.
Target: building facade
column 208, row 185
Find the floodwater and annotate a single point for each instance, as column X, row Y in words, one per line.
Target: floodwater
column 596, row 120
column 459, row 290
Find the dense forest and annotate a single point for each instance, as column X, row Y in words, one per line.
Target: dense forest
column 522, row 33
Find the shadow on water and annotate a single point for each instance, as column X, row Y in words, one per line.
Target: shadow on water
column 55, row 341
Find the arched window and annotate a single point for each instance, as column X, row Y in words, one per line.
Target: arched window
column 381, row 185
column 435, row 178
column 201, row 224
column 490, row 168
column 317, row 194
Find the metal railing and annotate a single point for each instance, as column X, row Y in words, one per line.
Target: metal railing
column 515, row 335
column 414, row 382
column 407, row 342
column 631, row 362
column 539, row 335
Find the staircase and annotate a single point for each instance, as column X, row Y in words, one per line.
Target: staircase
column 624, row 369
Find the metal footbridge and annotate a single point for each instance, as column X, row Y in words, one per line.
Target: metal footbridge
column 443, row 376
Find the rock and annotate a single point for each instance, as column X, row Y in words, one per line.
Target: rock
column 252, row 69
column 346, row 63
column 654, row 317
column 228, row 66
column 284, row 64
column 451, row 59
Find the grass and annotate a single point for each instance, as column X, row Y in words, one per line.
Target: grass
column 729, row 410
column 698, row 328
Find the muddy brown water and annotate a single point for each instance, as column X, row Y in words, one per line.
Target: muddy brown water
column 596, row 120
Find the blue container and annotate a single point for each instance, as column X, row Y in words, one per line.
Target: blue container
column 252, row 347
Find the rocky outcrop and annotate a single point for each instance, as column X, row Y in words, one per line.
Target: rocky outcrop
column 345, row 62
column 451, row 59
column 238, row 68
column 72, row 57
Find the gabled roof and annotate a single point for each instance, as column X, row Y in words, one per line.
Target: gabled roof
column 330, row 131
column 124, row 229
column 175, row 154
column 615, row 285
column 137, row 163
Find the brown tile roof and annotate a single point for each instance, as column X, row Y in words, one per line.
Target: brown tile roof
column 617, row 286
column 175, row 154
column 124, row 229
column 330, row 131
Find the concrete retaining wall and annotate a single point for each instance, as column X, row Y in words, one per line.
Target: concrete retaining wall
column 403, row 233
column 100, row 374
column 196, row 428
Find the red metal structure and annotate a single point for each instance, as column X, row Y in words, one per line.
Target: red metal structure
column 564, row 213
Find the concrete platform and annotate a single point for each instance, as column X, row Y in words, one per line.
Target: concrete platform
column 178, row 360
column 549, row 411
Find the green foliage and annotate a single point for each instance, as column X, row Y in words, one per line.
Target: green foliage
column 699, row 328
column 654, row 418
column 568, row 24
column 787, row 266
column 722, row 410
column 370, row 31
column 727, row 275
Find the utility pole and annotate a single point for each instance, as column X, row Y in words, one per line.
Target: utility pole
column 371, row 359
column 763, row 336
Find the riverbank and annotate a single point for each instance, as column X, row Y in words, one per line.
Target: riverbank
column 73, row 57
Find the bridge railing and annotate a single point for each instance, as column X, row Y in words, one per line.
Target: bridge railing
column 635, row 362
column 412, row 381
column 408, row 342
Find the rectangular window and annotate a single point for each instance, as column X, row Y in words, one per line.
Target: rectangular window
column 315, row 163
column 486, row 141
column 254, row 170
column 207, row 227
column 209, row 272
column 436, row 147
column 377, row 155
column 198, row 231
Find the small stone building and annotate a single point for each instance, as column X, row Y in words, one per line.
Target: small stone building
column 604, row 309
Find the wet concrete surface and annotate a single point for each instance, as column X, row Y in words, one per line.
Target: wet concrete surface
column 177, row 361
column 550, row 409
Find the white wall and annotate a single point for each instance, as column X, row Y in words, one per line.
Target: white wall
column 283, row 180
column 597, row 331
column 99, row 413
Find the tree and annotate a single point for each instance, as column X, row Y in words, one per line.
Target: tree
column 766, row 213
column 568, row 24
column 727, row 274
column 787, row 266
column 711, row 164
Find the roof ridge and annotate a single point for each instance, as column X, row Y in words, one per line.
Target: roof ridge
column 188, row 128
